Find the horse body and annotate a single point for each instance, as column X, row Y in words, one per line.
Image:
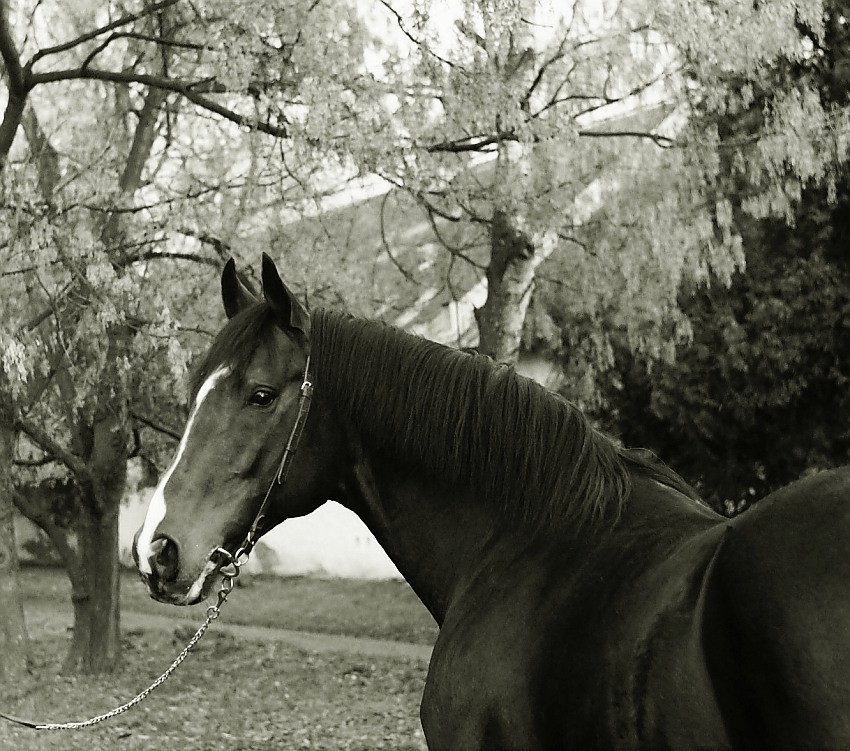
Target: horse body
column 549, row 643
column 586, row 599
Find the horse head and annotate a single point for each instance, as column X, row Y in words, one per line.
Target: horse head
column 244, row 406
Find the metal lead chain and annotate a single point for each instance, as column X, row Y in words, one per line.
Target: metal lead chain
column 213, row 612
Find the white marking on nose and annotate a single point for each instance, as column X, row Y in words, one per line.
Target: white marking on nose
column 156, row 509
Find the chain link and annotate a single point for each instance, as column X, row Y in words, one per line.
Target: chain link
column 213, row 612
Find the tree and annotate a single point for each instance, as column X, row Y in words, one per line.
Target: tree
column 759, row 397
column 482, row 114
column 13, row 634
column 73, row 261
column 97, row 206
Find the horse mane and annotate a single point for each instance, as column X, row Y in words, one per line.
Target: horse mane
column 464, row 420
column 459, row 418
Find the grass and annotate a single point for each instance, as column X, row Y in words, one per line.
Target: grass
column 233, row 693
column 377, row 609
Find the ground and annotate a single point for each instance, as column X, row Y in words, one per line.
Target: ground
column 316, row 684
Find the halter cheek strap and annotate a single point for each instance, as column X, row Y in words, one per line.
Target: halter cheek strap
column 234, row 561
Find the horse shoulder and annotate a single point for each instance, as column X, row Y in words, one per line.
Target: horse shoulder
column 480, row 680
column 557, row 653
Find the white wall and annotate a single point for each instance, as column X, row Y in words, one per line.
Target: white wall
column 332, row 542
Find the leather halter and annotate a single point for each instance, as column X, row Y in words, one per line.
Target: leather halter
column 234, row 561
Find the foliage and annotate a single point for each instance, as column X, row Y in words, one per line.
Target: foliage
column 326, row 92
column 760, row 396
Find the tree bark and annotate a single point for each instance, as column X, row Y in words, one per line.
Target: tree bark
column 19, row 86
column 95, row 594
column 510, row 282
column 13, row 634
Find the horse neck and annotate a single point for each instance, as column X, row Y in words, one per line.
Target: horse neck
column 434, row 535
column 452, row 456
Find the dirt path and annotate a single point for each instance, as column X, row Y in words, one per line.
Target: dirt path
column 45, row 620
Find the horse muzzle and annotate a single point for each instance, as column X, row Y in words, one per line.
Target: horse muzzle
column 160, row 570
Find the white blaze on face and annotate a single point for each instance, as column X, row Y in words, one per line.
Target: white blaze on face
column 156, row 509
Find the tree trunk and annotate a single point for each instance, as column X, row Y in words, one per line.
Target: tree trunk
column 16, row 80
column 510, row 282
column 13, row 634
column 95, row 594
column 95, row 571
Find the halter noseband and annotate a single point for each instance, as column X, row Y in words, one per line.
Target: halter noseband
column 234, row 561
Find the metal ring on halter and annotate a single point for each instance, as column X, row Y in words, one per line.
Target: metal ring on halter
column 230, row 569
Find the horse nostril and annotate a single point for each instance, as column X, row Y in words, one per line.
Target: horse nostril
column 164, row 558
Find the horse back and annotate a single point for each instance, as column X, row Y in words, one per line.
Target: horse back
column 777, row 624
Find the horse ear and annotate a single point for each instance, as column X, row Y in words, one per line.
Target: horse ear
column 290, row 313
column 234, row 293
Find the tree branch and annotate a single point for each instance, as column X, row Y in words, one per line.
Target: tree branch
column 400, row 22
column 216, row 243
column 50, row 446
column 89, row 35
column 160, row 41
column 35, row 462
column 18, row 85
column 454, row 251
column 9, row 53
column 161, row 255
column 159, row 428
column 190, row 90
column 661, row 141
column 470, row 143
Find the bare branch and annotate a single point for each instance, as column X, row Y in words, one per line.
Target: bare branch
column 403, row 271
column 35, row 462
column 45, row 312
column 159, row 41
column 216, row 243
column 420, row 45
column 153, row 425
column 191, row 90
column 158, row 255
column 661, row 141
column 538, row 79
column 454, row 251
column 478, row 142
column 89, row 35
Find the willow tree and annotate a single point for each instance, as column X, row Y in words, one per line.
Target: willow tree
column 551, row 96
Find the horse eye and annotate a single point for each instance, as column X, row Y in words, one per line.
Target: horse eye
column 262, row 398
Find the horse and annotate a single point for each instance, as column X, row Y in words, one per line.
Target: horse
column 586, row 598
